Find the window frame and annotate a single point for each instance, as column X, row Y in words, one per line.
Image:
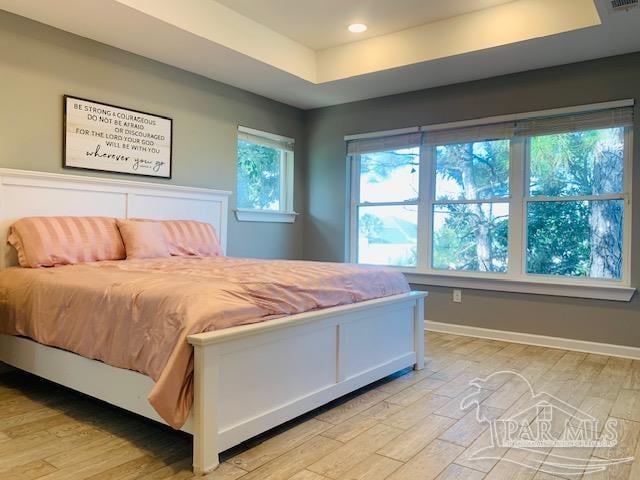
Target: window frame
column 516, row 278
column 431, row 163
column 286, row 212
column 625, row 196
column 356, row 203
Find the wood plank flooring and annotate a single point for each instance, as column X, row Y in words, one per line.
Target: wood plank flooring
column 407, row 427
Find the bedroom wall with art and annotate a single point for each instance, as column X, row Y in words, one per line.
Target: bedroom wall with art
column 39, row 64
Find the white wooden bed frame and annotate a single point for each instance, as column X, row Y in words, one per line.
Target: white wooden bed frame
column 247, row 379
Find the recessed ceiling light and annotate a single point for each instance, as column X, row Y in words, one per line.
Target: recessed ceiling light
column 357, row 27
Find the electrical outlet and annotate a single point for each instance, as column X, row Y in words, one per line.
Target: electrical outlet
column 457, row 296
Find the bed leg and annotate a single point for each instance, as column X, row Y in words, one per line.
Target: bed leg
column 418, row 337
column 205, row 418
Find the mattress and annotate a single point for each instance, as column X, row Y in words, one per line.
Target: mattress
column 136, row 314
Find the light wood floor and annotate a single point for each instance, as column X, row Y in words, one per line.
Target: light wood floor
column 407, row 427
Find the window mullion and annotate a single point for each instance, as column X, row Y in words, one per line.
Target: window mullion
column 577, row 198
column 387, row 204
column 628, row 206
column 285, row 181
column 424, row 217
column 472, row 202
column 517, row 214
column 354, row 161
column 427, row 197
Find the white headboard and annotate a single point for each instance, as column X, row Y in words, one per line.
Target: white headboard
column 27, row 193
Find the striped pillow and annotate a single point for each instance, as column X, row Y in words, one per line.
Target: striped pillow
column 143, row 239
column 51, row 241
column 189, row 237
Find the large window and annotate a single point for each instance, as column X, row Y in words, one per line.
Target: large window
column 531, row 199
column 264, row 176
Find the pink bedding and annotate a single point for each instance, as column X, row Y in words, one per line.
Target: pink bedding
column 136, row 314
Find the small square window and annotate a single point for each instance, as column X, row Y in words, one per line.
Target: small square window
column 265, row 172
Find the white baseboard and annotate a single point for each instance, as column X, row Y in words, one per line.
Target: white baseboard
column 532, row 339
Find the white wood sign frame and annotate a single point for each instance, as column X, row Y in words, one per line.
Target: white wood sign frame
column 99, row 136
column 247, row 379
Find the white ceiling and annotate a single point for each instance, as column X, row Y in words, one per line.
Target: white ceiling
column 210, row 39
column 322, row 24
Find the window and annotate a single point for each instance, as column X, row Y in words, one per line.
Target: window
column 387, row 212
column 576, row 184
column 265, row 176
column 533, row 200
column 471, row 207
column 386, row 209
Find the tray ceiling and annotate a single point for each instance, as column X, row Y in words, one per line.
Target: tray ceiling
column 287, row 57
column 322, row 24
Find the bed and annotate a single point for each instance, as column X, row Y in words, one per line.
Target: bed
column 246, row 378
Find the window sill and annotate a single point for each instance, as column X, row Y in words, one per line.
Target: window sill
column 542, row 286
column 271, row 216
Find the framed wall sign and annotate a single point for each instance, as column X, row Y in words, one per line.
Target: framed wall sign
column 103, row 137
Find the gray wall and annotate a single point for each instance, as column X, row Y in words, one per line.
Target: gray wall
column 589, row 82
column 39, row 64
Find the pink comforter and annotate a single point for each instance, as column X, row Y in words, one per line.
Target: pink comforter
column 136, row 314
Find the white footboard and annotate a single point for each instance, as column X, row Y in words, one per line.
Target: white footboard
column 249, row 379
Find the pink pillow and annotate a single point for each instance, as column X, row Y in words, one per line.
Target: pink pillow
column 51, row 241
column 143, row 239
column 189, row 237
